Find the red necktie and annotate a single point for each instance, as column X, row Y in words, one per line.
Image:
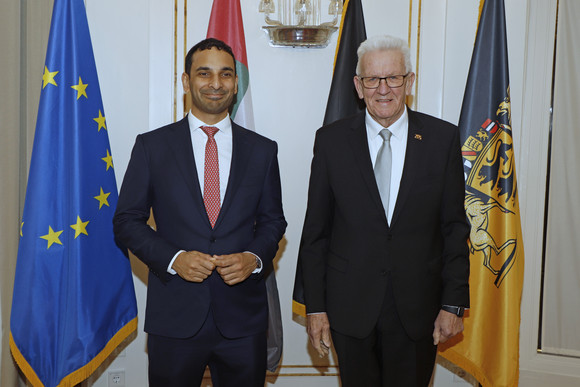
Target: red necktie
column 211, row 180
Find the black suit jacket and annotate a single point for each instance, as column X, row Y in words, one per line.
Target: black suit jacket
column 348, row 251
column 162, row 176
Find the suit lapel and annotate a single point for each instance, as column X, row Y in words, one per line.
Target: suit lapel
column 183, row 152
column 414, row 159
column 357, row 138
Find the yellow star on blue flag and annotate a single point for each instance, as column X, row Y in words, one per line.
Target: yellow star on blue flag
column 101, row 121
column 81, row 304
column 80, row 227
column 52, row 237
column 81, row 89
column 108, row 159
column 48, row 77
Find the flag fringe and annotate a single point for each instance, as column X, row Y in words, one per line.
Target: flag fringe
column 82, row 373
column 26, row 369
column 470, row 367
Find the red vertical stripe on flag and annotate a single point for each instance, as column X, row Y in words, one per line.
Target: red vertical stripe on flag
column 226, row 24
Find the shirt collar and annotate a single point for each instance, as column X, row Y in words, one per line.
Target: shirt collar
column 195, row 123
column 398, row 128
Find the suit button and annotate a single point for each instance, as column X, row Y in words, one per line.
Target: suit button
column 389, row 236
column 212, row 240
column 383, row 273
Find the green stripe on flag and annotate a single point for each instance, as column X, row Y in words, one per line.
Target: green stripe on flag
column 243, row 83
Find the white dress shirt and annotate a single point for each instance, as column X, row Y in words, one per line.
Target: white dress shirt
column 400, row 130
column 223, row 139
column 224, row 142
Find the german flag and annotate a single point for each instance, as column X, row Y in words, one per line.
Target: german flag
column 343, row 100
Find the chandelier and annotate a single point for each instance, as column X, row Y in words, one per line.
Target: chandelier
column 298, row 22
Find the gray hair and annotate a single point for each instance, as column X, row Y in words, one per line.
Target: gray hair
column 383, row 43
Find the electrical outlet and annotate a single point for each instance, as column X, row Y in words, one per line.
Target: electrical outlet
column 117, row 378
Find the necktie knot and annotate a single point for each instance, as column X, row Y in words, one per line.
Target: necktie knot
column 386, row 134
column 209, row 130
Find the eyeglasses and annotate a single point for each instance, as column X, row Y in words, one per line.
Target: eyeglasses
column 393, row 81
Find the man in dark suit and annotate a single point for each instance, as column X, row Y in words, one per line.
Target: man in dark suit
column 214, row 190
column 384, row 249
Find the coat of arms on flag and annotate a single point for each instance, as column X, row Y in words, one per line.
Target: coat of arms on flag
column 489, row 176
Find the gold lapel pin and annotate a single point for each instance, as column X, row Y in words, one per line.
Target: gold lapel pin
column 418, row 137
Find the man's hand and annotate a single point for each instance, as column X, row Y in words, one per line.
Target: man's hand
column 193, row 266
column 235, row 268
column 447, row 325
column 318, row 329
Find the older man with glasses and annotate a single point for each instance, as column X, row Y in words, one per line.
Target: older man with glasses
column 384, row 251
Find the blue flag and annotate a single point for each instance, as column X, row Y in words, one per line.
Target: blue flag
column 74, row 299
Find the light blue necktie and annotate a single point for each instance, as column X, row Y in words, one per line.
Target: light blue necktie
column 383, row 169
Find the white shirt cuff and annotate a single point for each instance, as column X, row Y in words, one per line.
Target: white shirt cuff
column 169, row 268
column 258, row 269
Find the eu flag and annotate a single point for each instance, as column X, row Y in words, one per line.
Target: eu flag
column 74, row 300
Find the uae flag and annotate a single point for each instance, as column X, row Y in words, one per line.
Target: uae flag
column 226, row 24
column 489, row 346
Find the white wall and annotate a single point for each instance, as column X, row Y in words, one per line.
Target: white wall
column 134, row 42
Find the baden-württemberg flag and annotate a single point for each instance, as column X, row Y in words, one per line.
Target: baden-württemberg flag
column 226, row 24
column 489, row 348
column 74, row 300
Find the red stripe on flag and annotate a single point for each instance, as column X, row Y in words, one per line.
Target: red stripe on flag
column 486, row 124
column 226, row 24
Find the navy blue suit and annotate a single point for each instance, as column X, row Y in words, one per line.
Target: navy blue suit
column 162, row 177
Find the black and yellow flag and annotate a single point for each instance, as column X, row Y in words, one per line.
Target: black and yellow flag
column 489, row 346
column 343, row 100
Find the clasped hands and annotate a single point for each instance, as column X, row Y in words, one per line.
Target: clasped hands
column 194, row 266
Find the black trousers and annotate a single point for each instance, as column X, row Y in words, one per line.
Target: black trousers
column 182, row 362
column 387, row 357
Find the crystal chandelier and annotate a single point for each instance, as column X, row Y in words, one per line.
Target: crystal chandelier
column 299, row 22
